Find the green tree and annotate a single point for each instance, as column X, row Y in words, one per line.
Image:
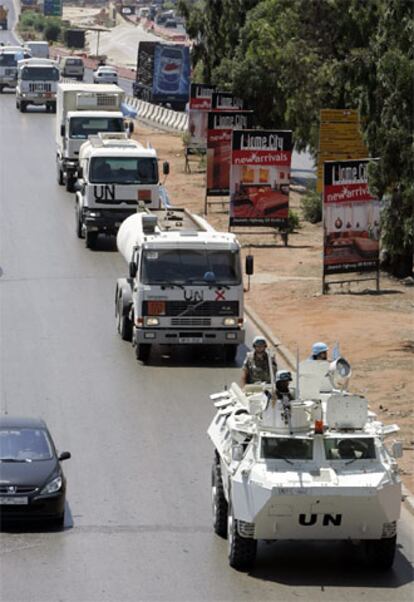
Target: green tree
column 52, row 31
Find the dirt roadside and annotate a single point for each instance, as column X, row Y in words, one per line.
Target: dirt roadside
column 375, row 331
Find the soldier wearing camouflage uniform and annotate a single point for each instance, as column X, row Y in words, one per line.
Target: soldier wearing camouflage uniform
column 256, row 365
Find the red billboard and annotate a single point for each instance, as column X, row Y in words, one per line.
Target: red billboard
column 199, row 105
column 260, row 177
column 351, row 218
column 219, row 136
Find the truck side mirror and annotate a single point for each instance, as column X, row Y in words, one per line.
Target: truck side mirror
column 77, row 186
column 132, row 269
column 165, row 168
column 249, row 265
column 131, row 127
column 62, row 131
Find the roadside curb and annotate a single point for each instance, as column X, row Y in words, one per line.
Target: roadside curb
column 289, row 358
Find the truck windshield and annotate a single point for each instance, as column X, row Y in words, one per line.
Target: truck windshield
column 349, row 448
column 82, row 127
column 191, row 266
column 8, row 60
column 285, row 448
column 124, row 170
column 50, row 74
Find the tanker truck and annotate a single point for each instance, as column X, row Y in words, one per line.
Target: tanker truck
column 83, row 110
column 184, row 285
column 115, row 174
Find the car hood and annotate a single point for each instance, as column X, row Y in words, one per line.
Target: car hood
column 27, row 473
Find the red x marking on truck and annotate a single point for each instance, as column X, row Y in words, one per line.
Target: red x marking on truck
column 220, row 295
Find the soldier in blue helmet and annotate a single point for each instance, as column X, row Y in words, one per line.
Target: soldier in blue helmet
column 319, row 351
column 256, row 366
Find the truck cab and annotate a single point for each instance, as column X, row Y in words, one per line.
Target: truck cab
column 37, row 81
column 115, row 175
column 83, row 110
column 9, row 57
column 185, row 284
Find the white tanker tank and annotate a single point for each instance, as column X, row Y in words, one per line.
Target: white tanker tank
column 315, row 467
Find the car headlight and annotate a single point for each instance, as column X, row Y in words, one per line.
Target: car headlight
column 53, row 486
column 230, row 322
column 152, row 321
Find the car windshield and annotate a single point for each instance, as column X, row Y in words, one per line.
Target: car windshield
column 191, row 266
column 286, row 448
column 124, row 170
column 349, row 448
column 24, row 445
column 40, row 74
column 82, row 127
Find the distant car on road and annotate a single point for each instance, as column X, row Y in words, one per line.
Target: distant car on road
column 72, row 66
column 32, row 483
column 105, row 75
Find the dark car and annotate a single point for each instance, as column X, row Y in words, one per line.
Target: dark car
column 32, row 484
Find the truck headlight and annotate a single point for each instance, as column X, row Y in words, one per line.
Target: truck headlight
column 94, row 214
column 153, row 321
column 53, row 486
column 230, row 322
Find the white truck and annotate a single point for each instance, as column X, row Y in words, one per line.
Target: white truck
column 115, row 174
column 37, row 48
column 305, row 464
column 37, row 81
column 83, row 110
column 9, row 56
column 185, row 284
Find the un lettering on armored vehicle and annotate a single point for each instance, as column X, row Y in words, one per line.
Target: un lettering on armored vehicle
column 313, row 468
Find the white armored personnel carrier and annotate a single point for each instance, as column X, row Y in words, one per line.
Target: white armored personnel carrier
column 309, row 466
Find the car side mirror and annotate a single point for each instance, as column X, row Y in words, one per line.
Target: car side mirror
column 64, row 456
column 132, row 269
column 62, row 131
column 165, row 168
column 249, row 265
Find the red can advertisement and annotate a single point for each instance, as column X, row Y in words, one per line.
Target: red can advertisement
column 351, row 218
column 199, row 106
column 219, row 140
column 260, row 177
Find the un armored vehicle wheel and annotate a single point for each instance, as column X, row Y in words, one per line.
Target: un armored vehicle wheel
column 219, row 503
column 241, row 550
column 380, row 552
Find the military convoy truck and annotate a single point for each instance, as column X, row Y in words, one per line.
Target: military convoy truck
column 163, row 74
column 184, row 285
column 9, row 57
column 37, row 81
column 115, row 175
column 315, row 467
column 83, row 110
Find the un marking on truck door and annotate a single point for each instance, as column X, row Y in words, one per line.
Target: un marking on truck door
column 307, row 520
column 104, row 192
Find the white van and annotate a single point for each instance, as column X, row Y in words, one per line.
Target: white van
column 39, row 50
column 72, row 66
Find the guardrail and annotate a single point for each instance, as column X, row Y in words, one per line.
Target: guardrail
column 160, row 117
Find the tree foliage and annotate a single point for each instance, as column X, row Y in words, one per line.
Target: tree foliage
column 290, row 59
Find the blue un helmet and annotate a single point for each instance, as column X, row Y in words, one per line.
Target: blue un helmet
column 283, row 375
column 318, row 349
column 259, row 340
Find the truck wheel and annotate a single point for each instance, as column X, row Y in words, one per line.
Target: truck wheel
column 22, row 107
column 17, row 104
column 90, row 239
column 230, row 352
column 60, row 176
column 219, row 502
column 53, row 107
column 79, row 225
column 380, row 552
column 70, row 183
column 124, row 324
column 1, row 89
column 241, row 550
column 142, row 352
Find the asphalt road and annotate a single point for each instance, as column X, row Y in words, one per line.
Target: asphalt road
column 138, row 523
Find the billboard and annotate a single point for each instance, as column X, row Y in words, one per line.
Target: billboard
column 220, row 126
column 260, row 177
column 225, row 101
column 351, row 218
column 199, row 105
column 171, row 71
column 339, row 139
column 52, row 8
